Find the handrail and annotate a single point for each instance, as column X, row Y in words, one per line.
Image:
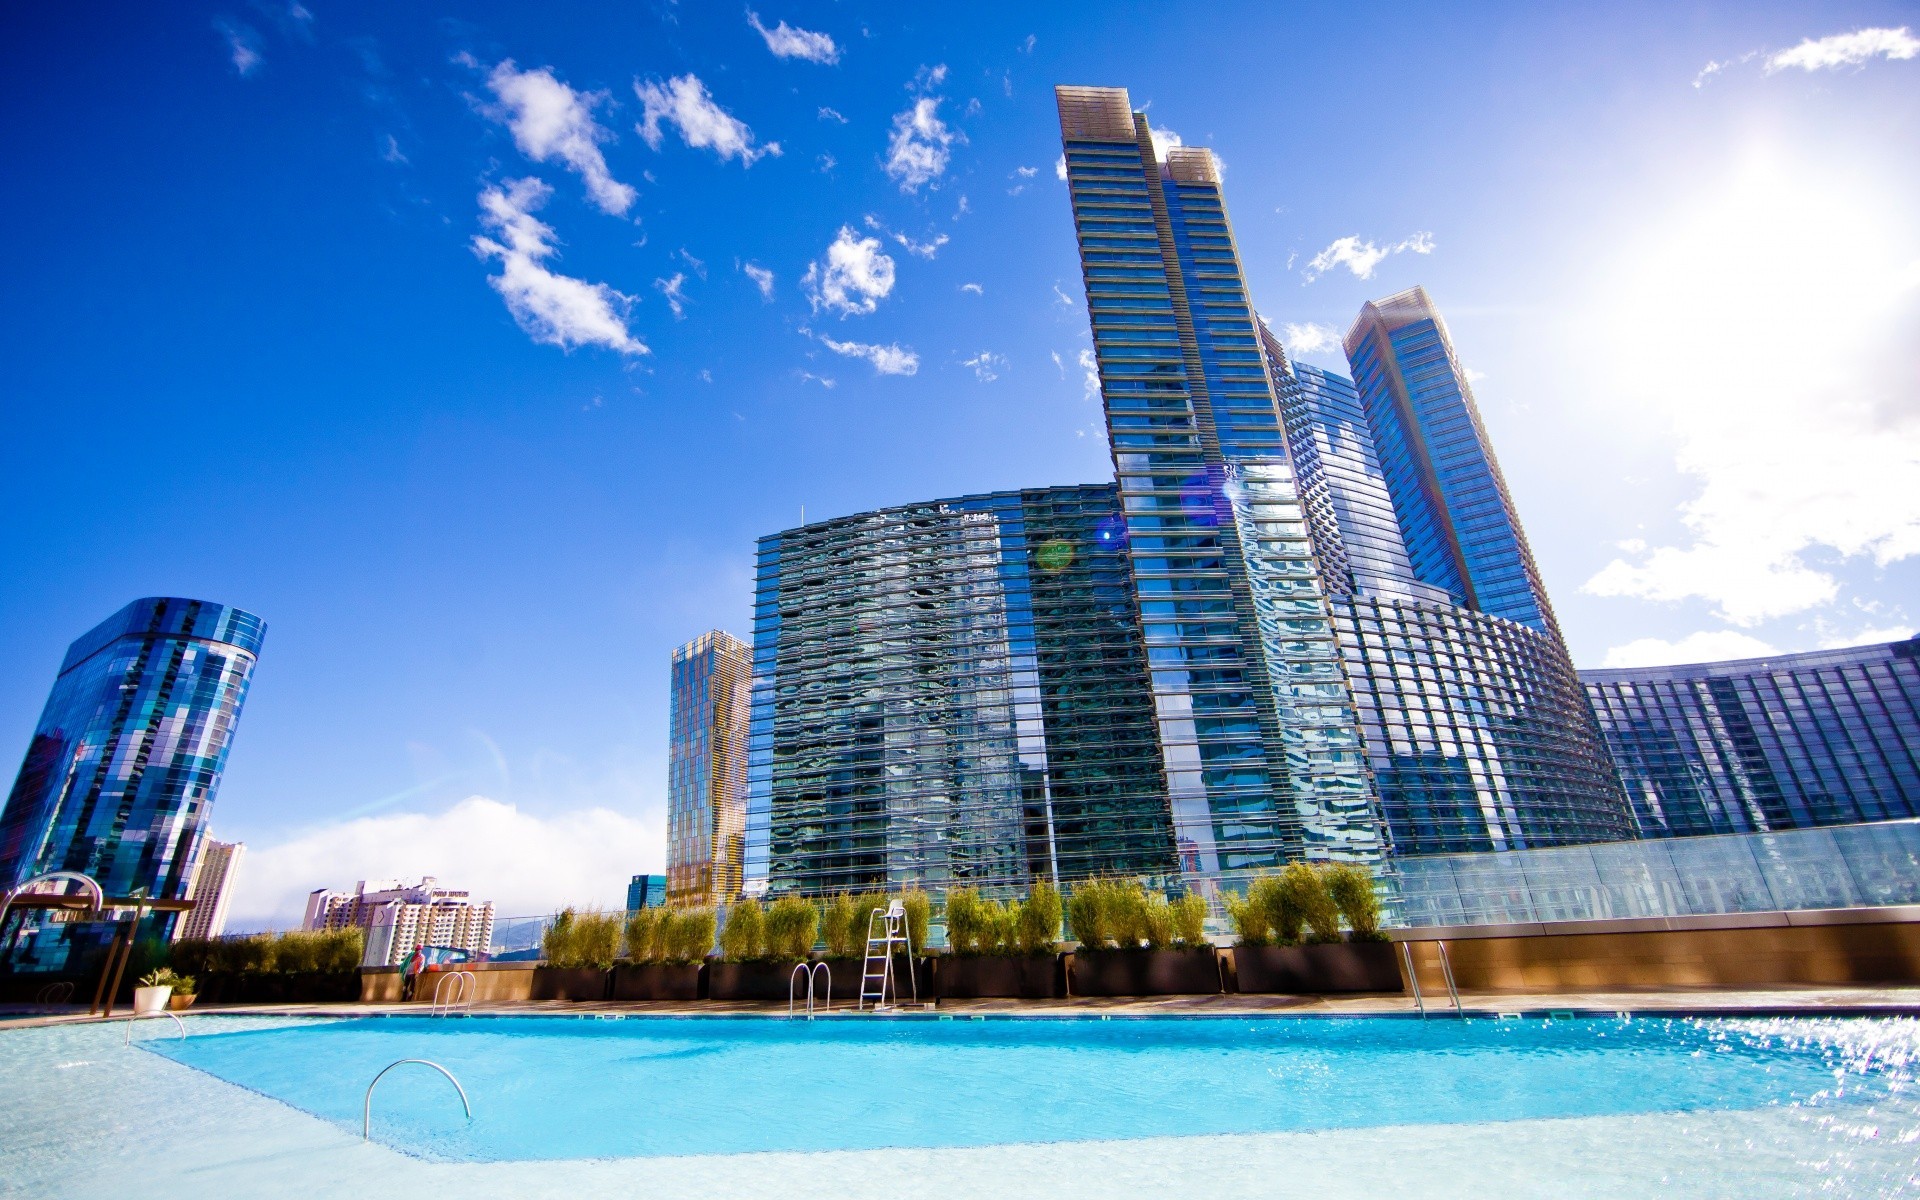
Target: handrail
column 465, row 983
column 132, row 1017
column 1453, row 993
column 1413, row 977
column 793, row 987
column 366, row 1110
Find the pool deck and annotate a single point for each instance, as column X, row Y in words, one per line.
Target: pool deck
column 1778, row 1001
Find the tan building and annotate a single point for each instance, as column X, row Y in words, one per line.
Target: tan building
column 707, row 770
column 400, row 917
column 210, row 887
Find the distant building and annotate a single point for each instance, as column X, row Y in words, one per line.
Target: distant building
column 646, row 891
column 707, row 769
column 400, row 917
column 210, row 889
column 1830, row 737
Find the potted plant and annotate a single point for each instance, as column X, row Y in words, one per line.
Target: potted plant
column 183, row 993
column 1002, row 950
column 580, row 949
column 155, row 988
column 1133, row 943
column 666, row 949
column 1290, row 940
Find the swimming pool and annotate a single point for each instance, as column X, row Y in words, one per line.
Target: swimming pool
column 1220, row 1108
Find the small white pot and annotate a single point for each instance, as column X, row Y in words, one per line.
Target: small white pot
column 149, row 1000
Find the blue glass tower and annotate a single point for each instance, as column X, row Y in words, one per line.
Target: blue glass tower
column 1462, row 532
column 123, row 767
column 1256, row 722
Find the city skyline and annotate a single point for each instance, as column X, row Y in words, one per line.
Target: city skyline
column 453, row 493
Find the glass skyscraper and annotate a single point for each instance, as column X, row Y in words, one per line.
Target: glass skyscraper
column 1829, row 737
column 953, row 693
column 120, row 776
column 707, row 769
column 1258, row 733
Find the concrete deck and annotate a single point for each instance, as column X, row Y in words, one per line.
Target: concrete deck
column 1778, row 1001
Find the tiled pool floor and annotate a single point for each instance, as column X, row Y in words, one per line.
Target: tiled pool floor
column 84, row 1116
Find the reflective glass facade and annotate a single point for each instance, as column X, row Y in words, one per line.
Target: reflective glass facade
column 1825, row 738
column 1256, row 726
column 952, row 692
column 1477, row 731
column 1462, row 532
column 707, row 770
column 122, row 769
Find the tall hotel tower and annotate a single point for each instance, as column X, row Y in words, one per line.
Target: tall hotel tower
column 1257, row 724
column 707, row 769
column 120, row 776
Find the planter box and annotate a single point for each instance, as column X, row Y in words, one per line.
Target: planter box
column 750, row 980
column 658, row 981
column 301, row 987
column 150, row 1000
column 1193, row 972
column 569, row 983
column 1316, row 970
column 1036, row 977
column 847, row 973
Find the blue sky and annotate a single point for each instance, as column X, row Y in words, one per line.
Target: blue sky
column 448, row 345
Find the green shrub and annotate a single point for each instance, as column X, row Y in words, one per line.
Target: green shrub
column 1249, row 920
column 582, row 939
column 689, row 934
column 1269, row 900
column 556, row 940
column 1351, row 886
column 182, row 985
column 744, row 937
column 792, row 924
column 1304, row 898
column 1188, row 915
column 839, row 923
column 1127, row 912
column 919, row 911
column 1039, row 922
column 647, row 934
column 298, row 950
column 1156, row 921
column 864, row 905
column 966, row 913
column 342, row 949
column 189, row 955
column 1108, row 912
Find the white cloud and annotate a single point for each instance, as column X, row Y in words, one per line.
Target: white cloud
column 887, row 360
column 853, row 278
column 921, row 145
column 1709, row 645
column 822, row 380
column 762, row 279
column 1846, row 50
column 1311, row 338
column 673, row 290
column 391, row 153
column 1028, row 172
column 243, row 45
column 1707, row 72
column 832, row 114
column 1362, row 257
column 550, row 120
column 557, row 310
column 923, row 249
column 1091, row 381
column 1061, row 298
column 527, row 865
column 684, row 103
column 1163, row 141
column 1060, row 167
column 986, row 366
column 1788, row 399
column 975, row 288
column 787, row 42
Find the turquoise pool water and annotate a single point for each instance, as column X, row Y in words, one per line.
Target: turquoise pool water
column 566, row 1088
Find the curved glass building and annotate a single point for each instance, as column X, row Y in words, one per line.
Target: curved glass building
column 952, row 693
column 122, row 769
column 1830, row 737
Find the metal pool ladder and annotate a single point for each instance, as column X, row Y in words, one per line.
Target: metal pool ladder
column 886, row 928
column 465, row 983
column 1446, row 970
column 793, row 987
column 128, row 1040
column 366, row 1109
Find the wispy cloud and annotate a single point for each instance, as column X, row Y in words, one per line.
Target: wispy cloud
column 1310, row 338
column 1090, row 367
column 674, row 289
column 831, row 114
column 550, row 121
column 824, row 381
column 1846, row 50
column 975, row 288
column 853, row 278
column 921, row 145
column 762, row 278
column 925, row 249
column 557, row 310
column 243, row 45
column 787, row 42
column 986, row 366
column 1362, row 257
column 685, row 103
column 891, row 359
column 1709, row 645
